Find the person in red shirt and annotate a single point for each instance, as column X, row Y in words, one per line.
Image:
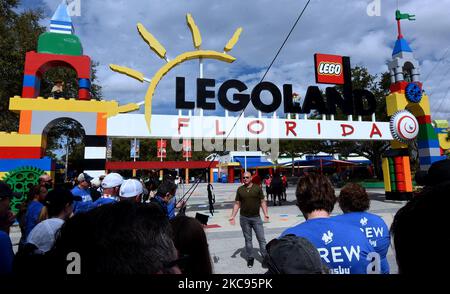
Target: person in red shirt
column 256, row 179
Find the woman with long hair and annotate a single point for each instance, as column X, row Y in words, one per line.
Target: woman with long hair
column 190, row 241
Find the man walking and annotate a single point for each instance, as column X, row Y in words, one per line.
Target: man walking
column 249, row 198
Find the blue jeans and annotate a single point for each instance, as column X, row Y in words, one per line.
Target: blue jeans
column 255, row 223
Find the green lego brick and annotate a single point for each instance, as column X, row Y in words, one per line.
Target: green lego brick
column 426, row 132
column 55, row 43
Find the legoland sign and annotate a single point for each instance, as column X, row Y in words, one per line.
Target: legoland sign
column 234, row 96
column 330, row 69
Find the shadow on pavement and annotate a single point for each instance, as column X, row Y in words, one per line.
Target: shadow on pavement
column 243, row 255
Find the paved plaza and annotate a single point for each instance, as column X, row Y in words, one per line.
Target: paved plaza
column 226, row 242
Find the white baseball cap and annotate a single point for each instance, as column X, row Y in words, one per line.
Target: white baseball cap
column 112, row 180
column 131, row 188
column 95, row 182
column 43, row 234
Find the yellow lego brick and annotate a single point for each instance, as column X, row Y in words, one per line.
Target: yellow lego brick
column 425, row 104
column 386, row 175
column 443, row 143
column 395, row 102
column 442, row 124
column 111, row 108
column 420, row 109
column 19, row 140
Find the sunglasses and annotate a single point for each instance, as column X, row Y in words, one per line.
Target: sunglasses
column 246, row 177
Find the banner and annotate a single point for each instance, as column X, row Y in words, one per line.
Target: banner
column 161, row 146
column 187, row 148
column 134, row 151
column 197, row 127
column 109, row 148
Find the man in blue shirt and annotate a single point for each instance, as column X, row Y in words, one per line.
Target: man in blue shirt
column 354, row 201
column 343, row 247
column 34, row 209
column 166, row 191
column 82, row 190
column 6, row 220
column 110, row 189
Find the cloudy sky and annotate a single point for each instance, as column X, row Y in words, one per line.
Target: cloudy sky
column 108, row 32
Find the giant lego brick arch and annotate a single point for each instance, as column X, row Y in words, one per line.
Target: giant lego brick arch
column 36, row 64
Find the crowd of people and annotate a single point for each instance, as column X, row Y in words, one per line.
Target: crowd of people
column 118, row 226
column 276, row 186
column 355, row 242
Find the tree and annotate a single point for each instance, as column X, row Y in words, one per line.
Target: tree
column 65, row 137
column 373, row 150
column 19, row 33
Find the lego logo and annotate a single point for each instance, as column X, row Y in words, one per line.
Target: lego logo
column 330, row 68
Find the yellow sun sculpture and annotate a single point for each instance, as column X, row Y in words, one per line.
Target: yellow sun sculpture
column 161, row 52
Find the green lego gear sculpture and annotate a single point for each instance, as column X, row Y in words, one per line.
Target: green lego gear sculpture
column 21, row 180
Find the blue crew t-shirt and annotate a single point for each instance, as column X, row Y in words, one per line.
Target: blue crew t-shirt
column 32, row 216
column 343, row 247
column 375, row 230
column 104, row 200
column 85, row 204
column 85, row 194
column 6, row 254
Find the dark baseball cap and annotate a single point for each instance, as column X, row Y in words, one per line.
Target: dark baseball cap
column 84, row 177
column 291, row 254
column 438, row 173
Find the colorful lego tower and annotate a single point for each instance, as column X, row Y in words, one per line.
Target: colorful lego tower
column 56, row 48
column 407, row 102
column 22, row 153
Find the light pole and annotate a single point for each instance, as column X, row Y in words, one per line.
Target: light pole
column 67, row 157
column 245, row 157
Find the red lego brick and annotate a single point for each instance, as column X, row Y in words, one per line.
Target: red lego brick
column 20, row 152
column 29, row 92
column 84, row 94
